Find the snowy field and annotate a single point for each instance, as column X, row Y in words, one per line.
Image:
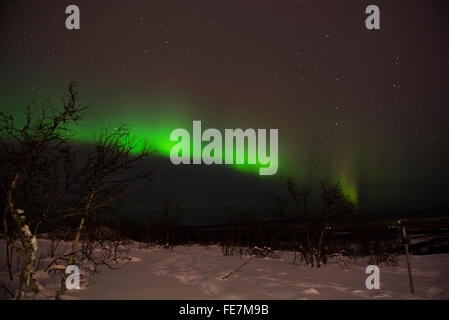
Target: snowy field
column 195, row 272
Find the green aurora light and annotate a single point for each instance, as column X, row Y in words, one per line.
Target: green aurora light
column 154, row 126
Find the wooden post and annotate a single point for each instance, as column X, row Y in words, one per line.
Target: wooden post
column 412, row 289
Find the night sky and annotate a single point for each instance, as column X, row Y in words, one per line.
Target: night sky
column 367, row 108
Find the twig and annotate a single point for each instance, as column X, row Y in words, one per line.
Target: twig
column 241, row 266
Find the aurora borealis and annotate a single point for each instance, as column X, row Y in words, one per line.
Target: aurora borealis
column 367, row 108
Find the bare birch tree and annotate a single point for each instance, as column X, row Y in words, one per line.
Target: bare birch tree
column 24, row 148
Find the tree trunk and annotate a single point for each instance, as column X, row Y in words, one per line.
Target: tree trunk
column 309, row 253
column 9, row 255
column 320, row 245
column 72, row 255
column 29, row 259
column 75, row 243
column 28, row 240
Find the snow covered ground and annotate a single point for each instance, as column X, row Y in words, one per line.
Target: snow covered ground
column 195, row 272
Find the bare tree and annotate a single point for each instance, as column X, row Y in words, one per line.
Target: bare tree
column 336, row 205
column 171, row 214
column 301, row 200
column 25, row 150
column 316, row 225
column 106, row 175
